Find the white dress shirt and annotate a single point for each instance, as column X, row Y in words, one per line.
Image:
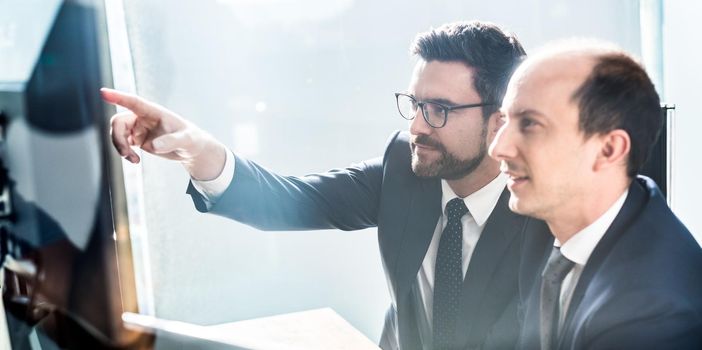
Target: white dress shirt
column 579, row 248
column 214, row 188
column 480, row 205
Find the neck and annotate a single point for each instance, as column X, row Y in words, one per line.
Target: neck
column 581, row 211
column 476, row 180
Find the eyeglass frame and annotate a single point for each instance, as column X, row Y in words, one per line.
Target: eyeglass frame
column 446, row 108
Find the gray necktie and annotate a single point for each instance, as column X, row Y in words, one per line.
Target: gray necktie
column 448, row 275
column 556, row 269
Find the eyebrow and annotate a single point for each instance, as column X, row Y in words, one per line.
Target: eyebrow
column 525, row 113
column 442, row 101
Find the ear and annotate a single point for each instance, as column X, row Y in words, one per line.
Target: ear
column 614, row 150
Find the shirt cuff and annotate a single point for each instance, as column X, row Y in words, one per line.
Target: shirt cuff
column 213, row 189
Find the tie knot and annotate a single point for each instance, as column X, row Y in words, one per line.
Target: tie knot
column 557, row 266
column 456, row 208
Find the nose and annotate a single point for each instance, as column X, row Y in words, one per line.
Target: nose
column 503, row 146
column 419, row 125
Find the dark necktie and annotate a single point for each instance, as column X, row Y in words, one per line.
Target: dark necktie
column 448, row 275
column 556, row 269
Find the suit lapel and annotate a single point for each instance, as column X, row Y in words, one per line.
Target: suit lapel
column 499, row 232
column 635, row 201
column 417, row 231
column 422, row 217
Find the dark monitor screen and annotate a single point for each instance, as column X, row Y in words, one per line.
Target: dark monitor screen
column 59, row 176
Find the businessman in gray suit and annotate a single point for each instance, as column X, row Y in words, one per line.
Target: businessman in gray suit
column 449, row 244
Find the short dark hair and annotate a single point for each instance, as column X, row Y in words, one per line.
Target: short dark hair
column 491, row 51
column 618, row 94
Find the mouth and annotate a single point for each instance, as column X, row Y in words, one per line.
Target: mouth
column 423, row 147
column 514, row 179
column 422, row 143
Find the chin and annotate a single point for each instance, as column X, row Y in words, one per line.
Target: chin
column 514, row 203
column 533, row 209
column 518, row 206
column 422, row 169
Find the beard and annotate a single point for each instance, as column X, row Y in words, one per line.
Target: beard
column 448, row 166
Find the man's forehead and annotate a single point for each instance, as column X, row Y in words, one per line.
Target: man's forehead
column 560, row 67
column 451, row 79
column 443, row 68
column 552, row 78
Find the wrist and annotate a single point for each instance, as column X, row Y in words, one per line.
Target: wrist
column 209, row 163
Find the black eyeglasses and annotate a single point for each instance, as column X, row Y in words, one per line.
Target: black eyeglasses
column 434, row 113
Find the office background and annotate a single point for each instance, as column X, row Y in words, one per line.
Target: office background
column 305, row 86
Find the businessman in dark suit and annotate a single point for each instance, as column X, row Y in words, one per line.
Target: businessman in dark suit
column 449, row 244
column 623, row 271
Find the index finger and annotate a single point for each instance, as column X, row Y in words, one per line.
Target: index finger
column 134, row 103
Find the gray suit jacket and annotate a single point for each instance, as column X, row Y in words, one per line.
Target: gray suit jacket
column 386, row 194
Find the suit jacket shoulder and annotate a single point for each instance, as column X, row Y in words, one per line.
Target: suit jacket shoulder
column 641, row 287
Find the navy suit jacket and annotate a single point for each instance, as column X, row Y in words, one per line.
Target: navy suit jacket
column 640, row 289
column 386, row 194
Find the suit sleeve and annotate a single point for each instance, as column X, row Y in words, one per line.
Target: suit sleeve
column 346, row 199
column 389, row 338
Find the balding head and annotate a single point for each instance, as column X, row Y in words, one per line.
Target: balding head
column 610, row 88
column 580, row 118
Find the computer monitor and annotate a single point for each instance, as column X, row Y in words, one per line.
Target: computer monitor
column 68, row 270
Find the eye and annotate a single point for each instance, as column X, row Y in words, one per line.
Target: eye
column 526, row 123
column 434, row 108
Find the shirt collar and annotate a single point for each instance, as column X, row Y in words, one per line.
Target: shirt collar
column 580, row 246
column 481, row 202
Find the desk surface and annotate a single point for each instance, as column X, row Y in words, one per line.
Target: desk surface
column 313, row 329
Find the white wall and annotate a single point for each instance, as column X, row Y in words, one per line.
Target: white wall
column 326, row 71
column 682, row 75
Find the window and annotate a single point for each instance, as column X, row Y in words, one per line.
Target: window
column 299, row 87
